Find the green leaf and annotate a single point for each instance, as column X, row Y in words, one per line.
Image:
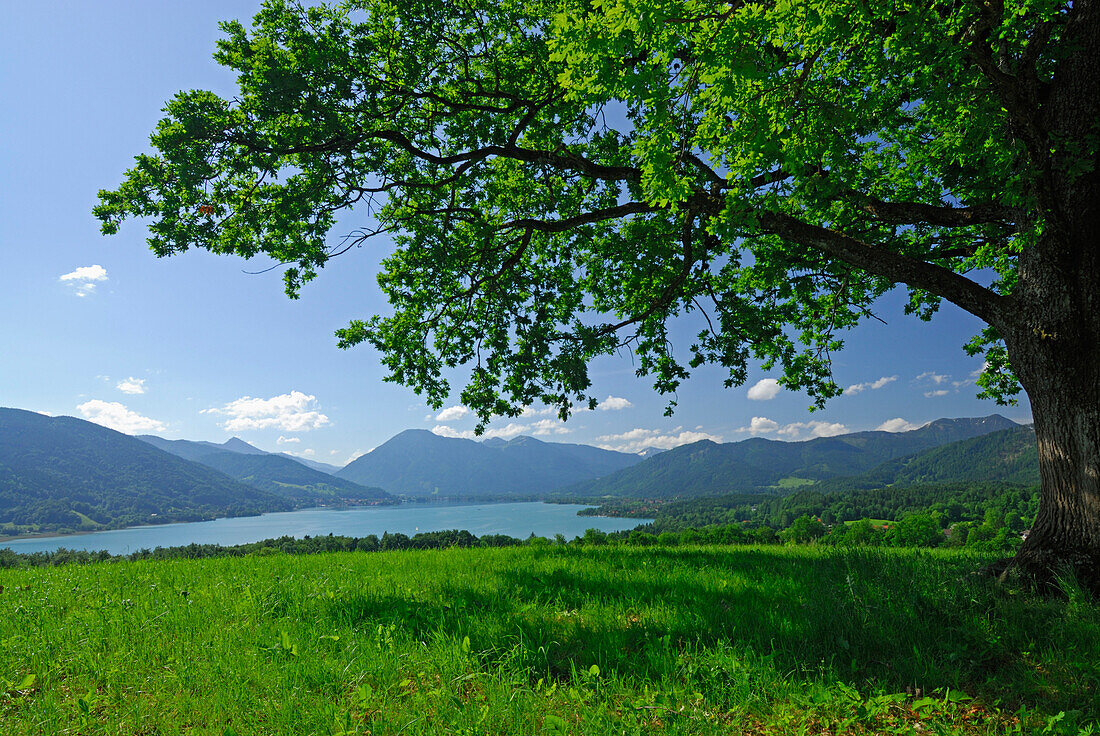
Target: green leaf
column 554, row 725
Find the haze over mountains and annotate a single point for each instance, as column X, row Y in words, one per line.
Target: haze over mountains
column 194, row 449
column 276, row 473
column 70, row 474
column 422, row 464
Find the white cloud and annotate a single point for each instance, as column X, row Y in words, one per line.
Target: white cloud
column 614, row 403
column 544, row 427
column 897, row 424
column 451, row 413
column 541, row 428
column 293, row 412
column 132, row 386
column 855, row 388
column 530, row 411
column 117, row 417
column 287, row 440
column 85, row 278
column 86, row 273
column 764, row 390
column 638, row 439
column 356, row 455
column 304, row 453
column 760, row 425
column 937, row 392
column 936, row 378
column 506, row 432
column 794, row 430
column 815, row 429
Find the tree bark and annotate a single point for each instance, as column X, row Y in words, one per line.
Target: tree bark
column 1066, row 534
column 1054, row 347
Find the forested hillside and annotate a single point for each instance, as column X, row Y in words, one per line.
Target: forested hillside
column 66, row 474
column 1008, row 456
column 707, row 468
column 292, row 480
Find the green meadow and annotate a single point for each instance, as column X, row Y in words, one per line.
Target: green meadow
column 544, row 640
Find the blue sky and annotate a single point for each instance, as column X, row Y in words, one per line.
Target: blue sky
column 194, row 347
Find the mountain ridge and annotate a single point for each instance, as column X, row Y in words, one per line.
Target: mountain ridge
column 708, row 468
column 289, row 479
column 420, row 463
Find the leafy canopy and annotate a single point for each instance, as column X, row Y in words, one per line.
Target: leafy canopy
column 563, row 179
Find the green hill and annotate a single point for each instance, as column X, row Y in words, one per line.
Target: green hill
column 1008, row 456
column 707, row 468
column 541, row 640
column 291, row 480
column 63, row 473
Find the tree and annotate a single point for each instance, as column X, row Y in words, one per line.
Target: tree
column 564, row 177
column 803, row 529
column 916, row 530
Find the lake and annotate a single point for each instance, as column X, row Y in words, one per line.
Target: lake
column 514, row 519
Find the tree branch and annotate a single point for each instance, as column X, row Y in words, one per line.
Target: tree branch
column 958, row 290
column 913, row 213
column 564, row 159
column 568, row 223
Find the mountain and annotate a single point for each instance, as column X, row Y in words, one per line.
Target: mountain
column 314, row 464
column 290, row 479
column 1008, row 456
column 708, row 468
column 63, row 473
column 195, row 449
column 417, row 462
column 236, row 444
column 650, row 452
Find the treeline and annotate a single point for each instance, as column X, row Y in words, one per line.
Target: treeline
column 65, row 516
column 1013, row 506
column 306, row 545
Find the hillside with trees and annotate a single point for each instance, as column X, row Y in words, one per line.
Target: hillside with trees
column 291, row 480
column 66, row 474
column 1009, row 456
column 707, row 468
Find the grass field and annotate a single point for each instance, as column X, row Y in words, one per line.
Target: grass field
column 551, row 640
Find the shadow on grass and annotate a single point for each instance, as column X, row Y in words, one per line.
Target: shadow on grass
column 871, row 618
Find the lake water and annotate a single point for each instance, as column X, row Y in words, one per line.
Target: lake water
column 514, row 519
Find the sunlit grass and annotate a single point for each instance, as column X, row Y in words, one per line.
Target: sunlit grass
column 542, row 640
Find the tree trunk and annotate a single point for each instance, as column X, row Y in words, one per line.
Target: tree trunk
column 1054, row 347
column 1066, row 532
column 1053, row 330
